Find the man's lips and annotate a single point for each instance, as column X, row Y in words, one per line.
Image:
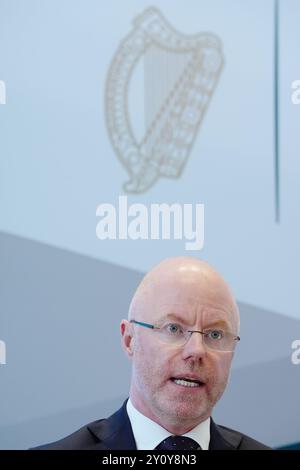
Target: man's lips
column 188, row 380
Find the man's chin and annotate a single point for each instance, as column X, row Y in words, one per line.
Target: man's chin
column 184, row 412
column 187, row 413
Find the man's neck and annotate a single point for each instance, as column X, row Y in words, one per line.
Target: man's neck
column 174, row 426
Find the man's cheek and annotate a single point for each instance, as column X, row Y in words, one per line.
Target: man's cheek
column 224, row 371
column 225, row 362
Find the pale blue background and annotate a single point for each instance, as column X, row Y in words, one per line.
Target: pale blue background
column 57, row 165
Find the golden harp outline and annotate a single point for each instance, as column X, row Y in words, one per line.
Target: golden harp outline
column 173, row 126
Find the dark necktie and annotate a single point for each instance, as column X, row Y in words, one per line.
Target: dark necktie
column 178, row 443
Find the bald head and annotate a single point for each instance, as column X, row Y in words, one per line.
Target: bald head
column 189, row 295
column 182, row 279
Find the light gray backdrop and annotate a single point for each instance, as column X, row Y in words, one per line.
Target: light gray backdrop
column 63, row 291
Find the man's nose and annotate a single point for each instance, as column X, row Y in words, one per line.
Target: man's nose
column 194, row 346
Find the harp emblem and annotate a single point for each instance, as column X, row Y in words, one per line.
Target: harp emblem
column 180, row 73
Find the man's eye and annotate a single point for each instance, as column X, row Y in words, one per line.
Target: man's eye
column 215, row 334
column 173, row 328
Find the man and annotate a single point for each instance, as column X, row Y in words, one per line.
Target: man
column 180, row 335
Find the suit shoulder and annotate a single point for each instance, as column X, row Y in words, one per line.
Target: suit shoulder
column 246, row 442
column 81, row 439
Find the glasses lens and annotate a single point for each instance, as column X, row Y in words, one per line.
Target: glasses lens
column 219, row 340
column 173, row 333
column 177, row 335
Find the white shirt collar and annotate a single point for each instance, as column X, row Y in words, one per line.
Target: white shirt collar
column 148, row 434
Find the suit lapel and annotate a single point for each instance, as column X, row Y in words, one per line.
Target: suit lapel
column 115, row 432
column 222, row 438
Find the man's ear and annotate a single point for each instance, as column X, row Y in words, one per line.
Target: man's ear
column 127, row 337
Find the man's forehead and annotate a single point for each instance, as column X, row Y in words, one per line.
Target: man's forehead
column 185, row 292
column 190, row 295
column 192, row 312
column 188, row 285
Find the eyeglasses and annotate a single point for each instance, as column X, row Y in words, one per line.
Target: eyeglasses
column 177, row 335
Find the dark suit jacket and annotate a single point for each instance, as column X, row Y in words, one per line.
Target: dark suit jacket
column 115, row 433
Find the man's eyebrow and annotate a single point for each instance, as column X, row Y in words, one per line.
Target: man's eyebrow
column 220, row 323
column 214, row 323
column 171, row 316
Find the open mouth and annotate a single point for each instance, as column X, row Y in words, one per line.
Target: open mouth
column 186, row 382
